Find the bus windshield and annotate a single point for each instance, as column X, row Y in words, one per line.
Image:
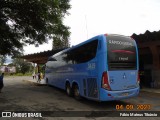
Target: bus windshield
column 121, row 53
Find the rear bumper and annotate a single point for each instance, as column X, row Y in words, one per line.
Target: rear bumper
column 117, row 95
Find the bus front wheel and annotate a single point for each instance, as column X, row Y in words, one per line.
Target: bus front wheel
column 76, row 92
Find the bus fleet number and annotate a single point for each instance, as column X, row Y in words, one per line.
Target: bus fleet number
column 91, row 66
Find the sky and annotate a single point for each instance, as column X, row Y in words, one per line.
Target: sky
column 89, row 18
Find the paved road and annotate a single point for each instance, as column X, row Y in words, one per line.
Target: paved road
column 20, row 95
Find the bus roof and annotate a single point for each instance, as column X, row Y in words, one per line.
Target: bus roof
column 89, row 40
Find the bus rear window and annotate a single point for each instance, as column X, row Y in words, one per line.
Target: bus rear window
column 121, row 53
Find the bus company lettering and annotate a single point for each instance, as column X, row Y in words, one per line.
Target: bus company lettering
column 120, row 43
column 123, row 59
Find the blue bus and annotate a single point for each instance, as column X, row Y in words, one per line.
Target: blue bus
column 103, row 68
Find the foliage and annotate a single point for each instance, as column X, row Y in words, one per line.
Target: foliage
column 31, row 22
column 58, row 44
column 10, row 65
column 2, row 59
column 22, row 66
column 25, row 67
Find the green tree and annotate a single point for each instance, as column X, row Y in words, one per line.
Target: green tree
column 57, row 43
column 25, row 67
column 22, row 66
column 2, row 59
column 60, row 43
column 31, row 22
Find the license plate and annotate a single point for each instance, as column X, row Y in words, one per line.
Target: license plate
column 124, row 94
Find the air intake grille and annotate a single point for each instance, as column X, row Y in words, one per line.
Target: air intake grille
column 92, row 87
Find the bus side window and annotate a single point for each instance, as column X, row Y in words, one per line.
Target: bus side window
column 51, row 59
column 80, row 54
column 85, row 52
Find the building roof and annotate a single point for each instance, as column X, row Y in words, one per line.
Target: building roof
column 41, row 57
column 146, row 40
column 147, row 36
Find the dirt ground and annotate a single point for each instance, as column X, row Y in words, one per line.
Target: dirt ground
column 20, row 95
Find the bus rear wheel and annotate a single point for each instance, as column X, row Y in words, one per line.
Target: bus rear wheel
column 76, row 92
column 69, row 90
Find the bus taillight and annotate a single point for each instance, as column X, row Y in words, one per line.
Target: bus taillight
column 106, row 34
column 105, row 83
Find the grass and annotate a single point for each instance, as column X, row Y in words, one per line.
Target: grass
column 20, row 74
column 17, row 74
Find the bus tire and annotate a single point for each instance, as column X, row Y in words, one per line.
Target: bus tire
column 76, row 92
column 69, row 90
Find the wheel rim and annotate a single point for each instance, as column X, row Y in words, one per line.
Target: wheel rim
column 68, row 90
column 76, row 92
